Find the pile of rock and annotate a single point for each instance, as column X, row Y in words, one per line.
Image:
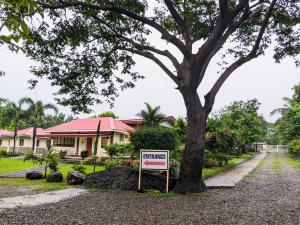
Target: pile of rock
column 54, row 177
column 75, row 178
column 34, row 175
column 126, row 178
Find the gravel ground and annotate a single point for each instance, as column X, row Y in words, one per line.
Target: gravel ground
column 9, row 191
column 269, row 195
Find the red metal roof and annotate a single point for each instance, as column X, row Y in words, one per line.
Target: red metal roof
column 5, row 133
column 29, row 132
column 91, row 124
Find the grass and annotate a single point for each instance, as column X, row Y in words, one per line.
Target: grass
column 210, row 172
column 43, row 184
column 276, row 166
column 10, row 165
column 295, row 162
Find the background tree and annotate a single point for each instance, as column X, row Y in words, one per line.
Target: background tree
column 53, row 120
column 288, row 125
column 37, row 112
column 13, row 116
column 108, row 114
column 83, row 46
column 180, row 127
column 235, row 127
column 151, row 116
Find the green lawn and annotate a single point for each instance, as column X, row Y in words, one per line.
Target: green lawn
column 43, row 184
column 10, row 164
column 294, row 162
column 210, row 172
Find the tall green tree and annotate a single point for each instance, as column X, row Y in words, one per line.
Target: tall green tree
column 108, row 114
column 37, row 112
column 288, row 125
column 87, row 48
column 236, row 126
column 13, row 115
column 151, row 116
column 53, row 120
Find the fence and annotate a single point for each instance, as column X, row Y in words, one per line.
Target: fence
column 275, row 148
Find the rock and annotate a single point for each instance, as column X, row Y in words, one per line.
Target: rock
column 34, row 175
column 126, row 178
column 54, row 177
column 75, row 177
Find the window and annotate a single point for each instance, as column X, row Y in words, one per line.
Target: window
column 122, row 137
column 21, row 142
column 38, row 143
column 65, row 142
column 0, row 142
column 104, row 142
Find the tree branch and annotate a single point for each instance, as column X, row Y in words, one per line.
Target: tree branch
column 210, row 96
column 165, row 34
column 181, row 23
column 149, row 55
column 165, row 53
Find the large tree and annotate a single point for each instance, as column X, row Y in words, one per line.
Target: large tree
column 152, row 117
column 87, row 48
column 13, row 115
column 37, row 112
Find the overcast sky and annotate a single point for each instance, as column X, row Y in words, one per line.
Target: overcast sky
column 261, row 79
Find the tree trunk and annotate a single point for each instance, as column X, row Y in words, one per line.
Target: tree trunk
column 33, row 138
column 15, row 137
column 190, row 177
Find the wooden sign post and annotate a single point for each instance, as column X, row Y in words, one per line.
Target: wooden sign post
column 154, row 160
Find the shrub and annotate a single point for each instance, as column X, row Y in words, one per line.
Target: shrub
column 84, row 154
column 294, row 147
column 118, row 149
column 214, row 159
column 109, row 164
column 78, row 167
column 3, row 152
column 62, row 154
column 154, row 138
column 130, row 163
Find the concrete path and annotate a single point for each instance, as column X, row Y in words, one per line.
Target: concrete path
column 230, row 178
column 21, row 173
column 42, row 198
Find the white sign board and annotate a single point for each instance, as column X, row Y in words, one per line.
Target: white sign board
column 154, row 159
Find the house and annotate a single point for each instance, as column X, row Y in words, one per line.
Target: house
column 80, row 135
column 5, row 139
column 134, row 123
column 24, row 141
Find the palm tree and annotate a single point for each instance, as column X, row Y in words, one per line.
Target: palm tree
column 36, row 111
column 14, row 113
column 289, row 101
column 151, row 116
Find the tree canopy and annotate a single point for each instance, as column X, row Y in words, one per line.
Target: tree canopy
column 236, row 126
column 87, row 47
column 288, row 125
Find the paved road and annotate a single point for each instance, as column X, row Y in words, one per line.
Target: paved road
column 269, row 195
column 232, row 177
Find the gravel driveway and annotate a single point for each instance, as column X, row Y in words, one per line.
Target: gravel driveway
column 269, row 195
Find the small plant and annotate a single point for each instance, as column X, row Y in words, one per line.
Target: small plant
column 119, row 149
column 49, row 159
column 78, row 167
column 84, row 154
column 3, row 152
column 109, row 164
column 130, row 163
column 62, row 154
column 294, row 147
